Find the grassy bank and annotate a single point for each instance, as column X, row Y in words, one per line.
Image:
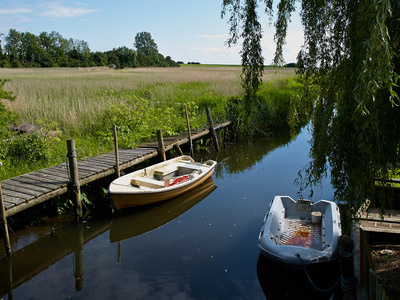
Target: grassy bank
column 84, row 103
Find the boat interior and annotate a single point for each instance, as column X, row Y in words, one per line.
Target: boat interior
column 168, row 175
column 301, row 224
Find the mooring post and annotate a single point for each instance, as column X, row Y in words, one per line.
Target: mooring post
column 116, row 151
column 73, row 169
column 6, row 237
column 189, row 133
column 212, row 129
column 161, row 150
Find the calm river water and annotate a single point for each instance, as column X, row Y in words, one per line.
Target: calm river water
column 202, row 245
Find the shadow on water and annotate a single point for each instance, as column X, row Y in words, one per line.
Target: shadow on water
column 281, row 282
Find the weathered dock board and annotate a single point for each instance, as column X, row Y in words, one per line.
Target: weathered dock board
column 372, row 221
column 28, row 190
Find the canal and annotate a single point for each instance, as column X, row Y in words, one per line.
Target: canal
column 202, row 245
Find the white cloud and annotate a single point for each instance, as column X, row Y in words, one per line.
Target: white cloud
column 15, row 11
column 58, row 10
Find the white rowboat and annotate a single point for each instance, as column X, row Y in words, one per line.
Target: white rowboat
column 300, row 233
column 159, row 182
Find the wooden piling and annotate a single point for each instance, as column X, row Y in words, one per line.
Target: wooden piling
column 6, row 237
column 161, row 149
column 189, row 133
column 116, row 151
column 212, row 129
column 73, row 170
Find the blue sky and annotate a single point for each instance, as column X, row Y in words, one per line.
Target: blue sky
column 186, row 30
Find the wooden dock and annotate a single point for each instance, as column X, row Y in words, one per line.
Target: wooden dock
column 28, row 190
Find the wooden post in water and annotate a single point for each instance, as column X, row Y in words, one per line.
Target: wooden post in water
column 116, row 151
column 73, row 170
column 189, row 133
column 6, row 237
column 212, row 129
column 161, row 150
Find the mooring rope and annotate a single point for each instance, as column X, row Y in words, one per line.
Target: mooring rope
column 312, row 283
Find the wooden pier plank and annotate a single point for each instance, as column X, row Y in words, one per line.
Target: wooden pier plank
column 104, row 160
column 38, row 181
column 47, row 182
column 372, row 221
column 17, row 181
column 20, row 188
column 53, row 175
column 16, row 195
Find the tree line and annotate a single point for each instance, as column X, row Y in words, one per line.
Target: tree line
column 24, row 49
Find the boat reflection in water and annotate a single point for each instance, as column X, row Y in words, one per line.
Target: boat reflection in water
column 140, row 221
column 281, row 282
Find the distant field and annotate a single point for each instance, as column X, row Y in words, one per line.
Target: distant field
column 73, row 97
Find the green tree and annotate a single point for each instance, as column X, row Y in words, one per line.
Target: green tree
column 350, row 67
column 145, row 44
column 100, row 58
column 32, row 50
column 13, row 45
column 126, row 56
column 147, row 50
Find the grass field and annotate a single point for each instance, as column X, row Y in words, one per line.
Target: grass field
column 71, row 97
column 83, row 103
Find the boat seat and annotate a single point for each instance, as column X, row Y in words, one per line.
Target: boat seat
column 192, row 166
column 182, row 166
column 160, row 173
column 147, row 182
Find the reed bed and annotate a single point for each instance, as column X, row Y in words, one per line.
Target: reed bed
column 73, row 97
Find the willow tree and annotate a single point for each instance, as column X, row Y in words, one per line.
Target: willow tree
column 350, row 65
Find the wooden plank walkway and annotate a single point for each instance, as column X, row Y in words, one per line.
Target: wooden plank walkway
column 28, row 190
column 372, row 221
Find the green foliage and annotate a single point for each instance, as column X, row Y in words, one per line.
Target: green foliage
column 271, row 106
column 29, row 147
column 251, row 33
column 138, row 118
column 6, row 116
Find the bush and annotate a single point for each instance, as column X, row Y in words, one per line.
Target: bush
column 29, row 147
column 4, row 63
column 16, row 64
